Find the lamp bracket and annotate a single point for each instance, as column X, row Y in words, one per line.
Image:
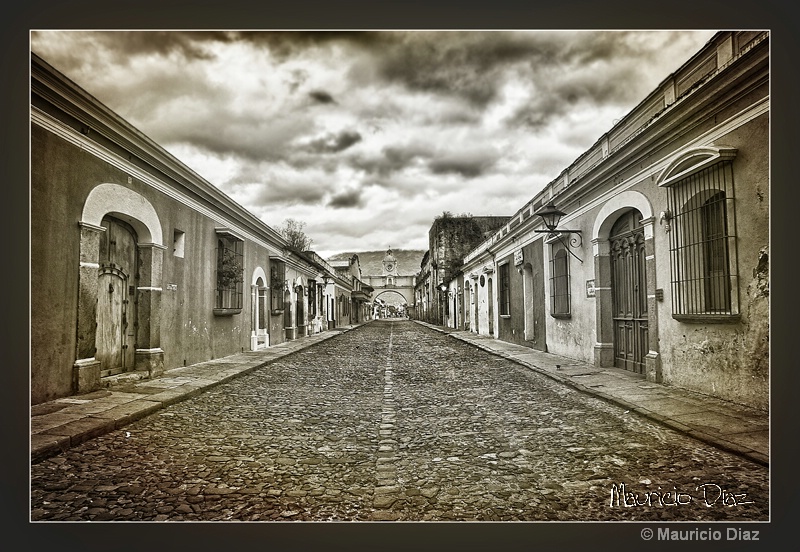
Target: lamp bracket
column 576, row 241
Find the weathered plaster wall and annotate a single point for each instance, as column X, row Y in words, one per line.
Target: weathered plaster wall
column 61, row 179
column 573, row 337
column 54, row 264
column 732, row 360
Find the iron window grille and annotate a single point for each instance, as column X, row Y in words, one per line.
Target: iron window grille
column 312, row 298
column 559, row 282
column 505, row 290
column 704, row 279
column 230, row 275
column 276, row 284
column 300, row 314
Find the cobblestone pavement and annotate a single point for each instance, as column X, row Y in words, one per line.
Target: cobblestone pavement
column 394, row 421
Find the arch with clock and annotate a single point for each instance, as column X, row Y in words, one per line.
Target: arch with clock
column 393, row 289
column 389, row 264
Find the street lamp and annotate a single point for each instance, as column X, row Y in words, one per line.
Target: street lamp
column 551, row 216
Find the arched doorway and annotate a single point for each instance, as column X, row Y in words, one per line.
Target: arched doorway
column 113, row 213
column 287, row 315
column 259, row 337
column 629, row 292
column 116, row 298
column 299, row 310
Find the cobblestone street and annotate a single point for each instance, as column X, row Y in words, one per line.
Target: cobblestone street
column 395, row 421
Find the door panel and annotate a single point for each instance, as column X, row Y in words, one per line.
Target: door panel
column 116, row 298
column 111, row 332
column 629, row 293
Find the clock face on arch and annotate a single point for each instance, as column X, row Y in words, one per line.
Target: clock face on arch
column 389, row 267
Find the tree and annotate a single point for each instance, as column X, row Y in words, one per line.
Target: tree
column 293, row 231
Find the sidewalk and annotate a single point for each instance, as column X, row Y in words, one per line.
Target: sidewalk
column 63, row 423
column 734, row 428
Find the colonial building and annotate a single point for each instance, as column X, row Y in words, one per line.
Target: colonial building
column 392, row 276
column 354, row 296
column 449, row 239
column 650, row 252
column 138, row 264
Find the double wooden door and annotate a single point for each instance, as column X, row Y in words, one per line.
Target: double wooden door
column 629, row 292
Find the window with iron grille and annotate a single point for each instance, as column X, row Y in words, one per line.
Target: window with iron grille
column 312, row 298
column 703, row 245
column 277, row 275
column 230, row 274
column 299, row 302
column 559, row 282
column 505, row 290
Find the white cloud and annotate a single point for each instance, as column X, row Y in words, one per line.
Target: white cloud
column 367, row 137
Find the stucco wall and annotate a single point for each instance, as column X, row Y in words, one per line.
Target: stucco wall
column 62, row 176
column 573, row 337
column 731, row 360
column 54, row 264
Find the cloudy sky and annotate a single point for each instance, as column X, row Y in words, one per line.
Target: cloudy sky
column 367, row 136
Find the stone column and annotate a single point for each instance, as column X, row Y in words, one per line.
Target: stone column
column 653, row 357
column 86, row 370
column 149, row 355
column 604, row 323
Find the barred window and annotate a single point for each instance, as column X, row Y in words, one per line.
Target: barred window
column 299, row 302
column 559, row 282
column 277, row 275
column 505, row 290
column 230, row 274
column 312, row 298
column 702, row 245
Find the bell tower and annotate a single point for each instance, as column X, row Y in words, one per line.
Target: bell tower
column 389, row 264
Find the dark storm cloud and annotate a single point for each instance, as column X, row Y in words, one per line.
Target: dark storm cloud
column 563, row 93
column 472, row 65
column 466, row 64
column 392, row 159
column 280, row 192
column 284, row 44
column 127, row 45
column 334, row 143
column 469, row 163
column 240, row 137
column 321, row 96
column 571, row 80
column 351, row 198
column 468, row 167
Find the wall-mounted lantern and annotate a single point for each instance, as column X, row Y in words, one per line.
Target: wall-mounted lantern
column 551, row 216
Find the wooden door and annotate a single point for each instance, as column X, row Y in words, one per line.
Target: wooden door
column 629, row 293
column 116, row 298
